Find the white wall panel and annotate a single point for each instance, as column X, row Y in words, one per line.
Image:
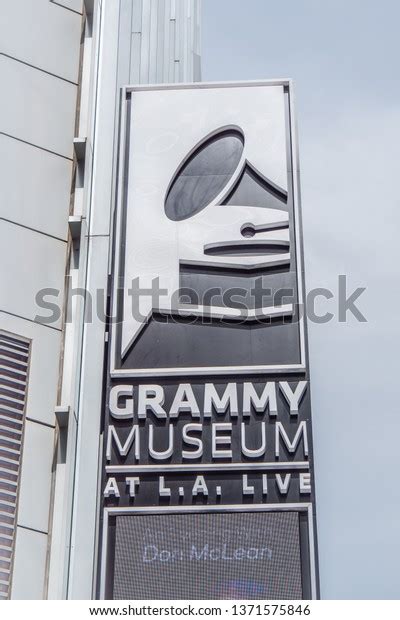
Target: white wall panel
column 137, row 8
column 37, row 107
column 86, row 480
column 43, row 370
column 40, row 33
column 35, row 476
column 145, row 48
column 73, row 5
column 155, row 17
column 127, row 25
column 62, row 503
column 35, row 187
column 29, row 565
column 105, row 123
column 30, row 262
column 168, row 48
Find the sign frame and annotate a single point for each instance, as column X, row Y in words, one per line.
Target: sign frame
column 293, row 167
column 305, row 508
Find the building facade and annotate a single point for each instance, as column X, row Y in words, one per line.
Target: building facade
column 66, row 142
column 40, row 72
column 62, row 66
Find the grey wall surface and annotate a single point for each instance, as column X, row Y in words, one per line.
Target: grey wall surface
column 164, row 41
column 343, row 58
column 39, row 65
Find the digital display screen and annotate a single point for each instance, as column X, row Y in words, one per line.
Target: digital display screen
column 227, row 555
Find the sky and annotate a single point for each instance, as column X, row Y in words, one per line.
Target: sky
column 344, row 59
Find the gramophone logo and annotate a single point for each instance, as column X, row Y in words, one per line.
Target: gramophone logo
column 206, row 218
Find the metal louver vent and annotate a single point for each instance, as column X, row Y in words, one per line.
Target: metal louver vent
column 14, row 368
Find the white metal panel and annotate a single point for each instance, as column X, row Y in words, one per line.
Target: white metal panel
column 167, row 30
column 31, row 262
column 105, row 124
column 35, row 476
column 189, row 41
column 72, row 5
column 35, row 187
column 123, row 43
column 64, row 468
column 37, row 107
column 178, row 41
column 171, row 51
column 165, row 59
column 43, row 35
column 57, row 551
column 154, row 18
column 160, row 40
column 135, row 56
column 145, row 51
column 197, row 42
column 62, row 506
column 84, row 102
column 29, row 565
column 185, row 38
column 137, row 7
column 86, row 495
column 43, row 371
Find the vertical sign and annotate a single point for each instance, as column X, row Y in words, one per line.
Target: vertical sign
column 208, row 466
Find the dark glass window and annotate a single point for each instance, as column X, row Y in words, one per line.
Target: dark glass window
column 204, row 175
